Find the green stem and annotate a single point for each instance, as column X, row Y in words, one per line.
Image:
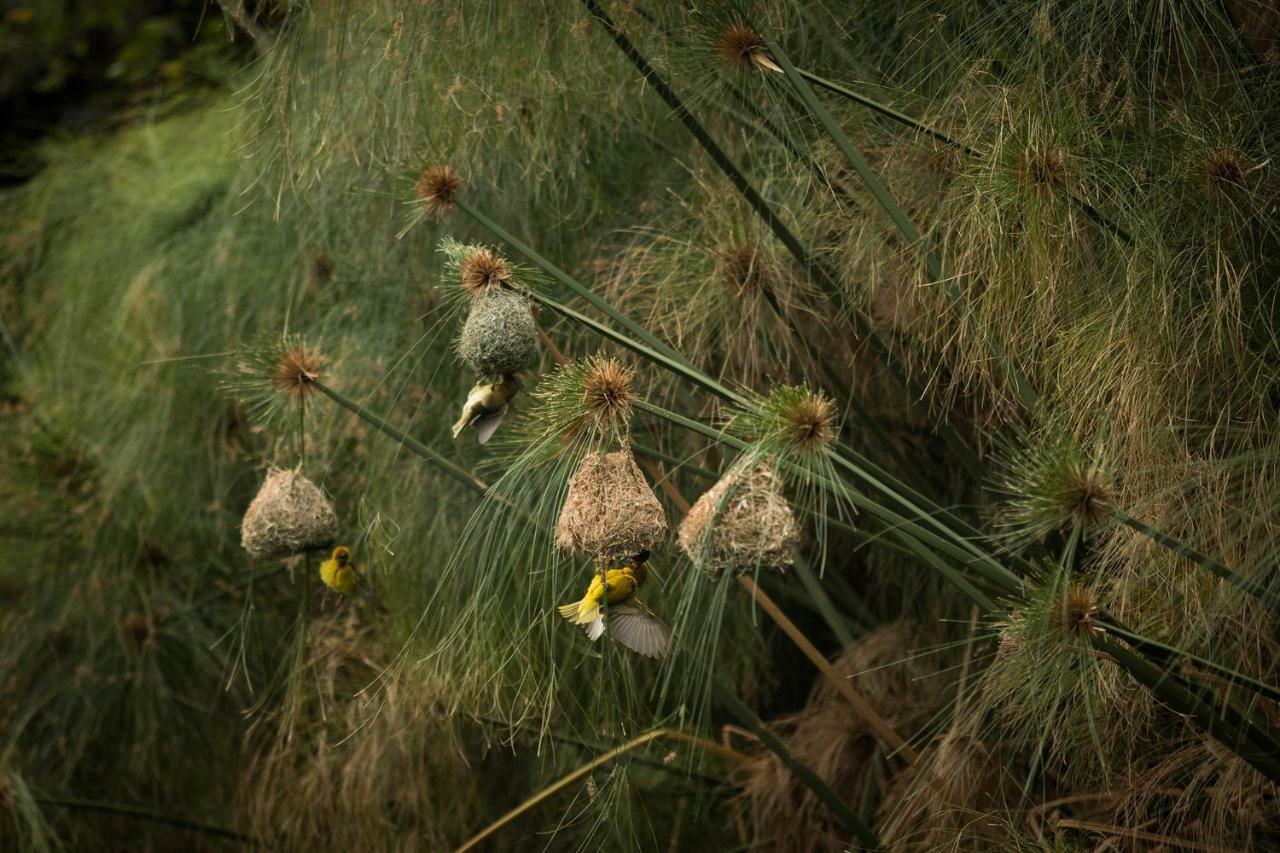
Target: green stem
column 826, row 608
column 147, row 815
column 1239, row 735
column 453, row 469
column 569, row 281
column 889, row 112
column 678, row 366
column 816, row 271
column 683, row 465
column 886, row 200
column 1097, row 216
column 1169, row 655
column 1203, row 560
column 848, row 819
column 925, row 510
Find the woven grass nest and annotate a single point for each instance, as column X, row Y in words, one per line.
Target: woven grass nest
column 743, row 522
column 288, row 515
column 500, row 336
column 610, row 512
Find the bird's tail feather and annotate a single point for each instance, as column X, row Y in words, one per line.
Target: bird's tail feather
column 580, row 613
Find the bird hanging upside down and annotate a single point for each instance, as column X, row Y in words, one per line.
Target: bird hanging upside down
column 338, row 572
column 610, row 605
column 485, row 407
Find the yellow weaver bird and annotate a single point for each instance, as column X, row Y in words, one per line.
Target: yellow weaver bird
column 485, row 407
column 610, row 605
column 338, row 572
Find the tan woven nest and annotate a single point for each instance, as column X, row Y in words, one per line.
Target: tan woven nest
column 289, row 515
column 610, row 512
column 743, row 522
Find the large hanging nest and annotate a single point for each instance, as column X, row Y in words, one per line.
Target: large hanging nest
column 743, row 522
column 289, row 515
column 500, row 336
column 610, row 512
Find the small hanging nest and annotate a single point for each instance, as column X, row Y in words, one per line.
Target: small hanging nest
column 289, row 515
column 610, row 512
column 500, row 336
column 742, row 522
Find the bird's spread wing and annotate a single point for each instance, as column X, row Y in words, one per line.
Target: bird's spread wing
column 639, row 630
column 595, row 630
column 487, row 425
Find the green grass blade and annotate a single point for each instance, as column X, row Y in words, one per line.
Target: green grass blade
column 568, row 281
column 1256, row 747
column 448, row 466
column 676, row 365
column 1203, row 560
column 1170, row 654
column 889, row 112
column 886, row 200
column 816, row 271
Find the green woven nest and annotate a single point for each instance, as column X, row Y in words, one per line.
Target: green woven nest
column 500, row 336
column 610, row 512
column 743, row 522
column 289, row 515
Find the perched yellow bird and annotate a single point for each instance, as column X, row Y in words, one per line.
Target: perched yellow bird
column 610, row 604
column 338, row 572
column 485, row 407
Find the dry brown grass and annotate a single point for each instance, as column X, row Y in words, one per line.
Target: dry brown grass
column 371, row 769
column 839, row 745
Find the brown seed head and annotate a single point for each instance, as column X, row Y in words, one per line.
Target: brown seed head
column 1042, row 166
column 137, row 629
column 437, row 187
column 1224, row 171
column 606, row 388
column 296, row 372
column 743, row 270
column 1073, row 613
column 1042, row 26
column 810, row 422
column 944, row 162
column 481, row 270
column 1089, row 497
column 742, row 48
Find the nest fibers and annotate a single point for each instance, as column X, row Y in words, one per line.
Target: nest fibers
column 500, row 336
column 742, row 522
column 289, row 515
column 610, row 512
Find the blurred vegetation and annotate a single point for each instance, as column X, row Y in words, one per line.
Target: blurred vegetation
column 76, row 67
column 1032, row 446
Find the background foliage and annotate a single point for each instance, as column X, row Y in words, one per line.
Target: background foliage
column 1040, row 299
